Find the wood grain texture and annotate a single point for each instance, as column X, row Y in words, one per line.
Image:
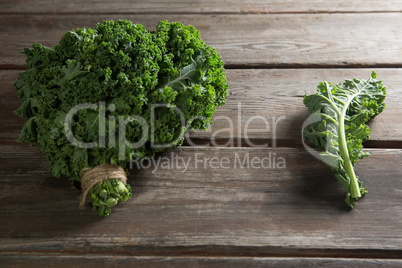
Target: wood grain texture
column 297, row 210
column 26, row 260
column 275, row 95
column 199, row 7
column 229, row 207
column 243, row 41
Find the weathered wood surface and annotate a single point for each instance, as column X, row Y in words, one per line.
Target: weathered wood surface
column 289, row 214
column 283, row 40
column 294, row 207
column 199, row 7
column 275, row 95
column 65, row 260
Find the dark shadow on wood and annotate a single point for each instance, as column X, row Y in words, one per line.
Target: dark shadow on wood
column 319, row 186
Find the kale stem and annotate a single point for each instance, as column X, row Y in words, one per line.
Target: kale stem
column 354, row 185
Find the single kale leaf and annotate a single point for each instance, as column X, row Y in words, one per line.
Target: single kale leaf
column 337, row 124
column 118, row 73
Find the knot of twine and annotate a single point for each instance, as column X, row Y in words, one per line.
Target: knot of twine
column 95, row 176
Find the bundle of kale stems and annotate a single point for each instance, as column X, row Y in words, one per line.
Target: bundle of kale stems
column 105, row 96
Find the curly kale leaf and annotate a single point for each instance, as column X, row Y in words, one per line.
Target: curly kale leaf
column 339, row 113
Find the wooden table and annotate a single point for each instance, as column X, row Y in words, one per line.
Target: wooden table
column 292, row 215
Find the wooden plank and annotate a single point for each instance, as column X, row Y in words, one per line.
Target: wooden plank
column 232, row 208
column 199, row 7
column 247, row 40
column 26, row 260
column 276, row 95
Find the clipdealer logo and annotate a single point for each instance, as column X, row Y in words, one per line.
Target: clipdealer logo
column 117, row 139
column 202, row 161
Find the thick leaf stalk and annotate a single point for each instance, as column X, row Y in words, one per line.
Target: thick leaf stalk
column 109, row 194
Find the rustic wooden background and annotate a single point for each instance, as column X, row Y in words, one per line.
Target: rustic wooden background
column 275, row 52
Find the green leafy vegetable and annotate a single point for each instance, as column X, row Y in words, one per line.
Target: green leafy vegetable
column 121, row 73
column 108, row 194
column 339, row 113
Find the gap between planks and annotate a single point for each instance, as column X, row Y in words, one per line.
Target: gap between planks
column 216, row 252
column 197, row 7
column 16, row 67
column 150, row 13
column 111, row 260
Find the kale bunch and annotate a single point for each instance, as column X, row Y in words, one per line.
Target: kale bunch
column 106, row 95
